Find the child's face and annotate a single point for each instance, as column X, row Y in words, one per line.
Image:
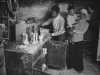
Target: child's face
column 78, row 16
column 71, row 12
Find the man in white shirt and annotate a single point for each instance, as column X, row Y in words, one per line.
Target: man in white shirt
column 58, row 24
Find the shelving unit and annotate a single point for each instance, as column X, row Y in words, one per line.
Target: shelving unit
column 6, row 14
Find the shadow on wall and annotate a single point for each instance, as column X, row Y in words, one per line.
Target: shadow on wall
column 36, row 10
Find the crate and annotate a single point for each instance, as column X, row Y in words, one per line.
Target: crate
column 56, row 54
column 19, row 63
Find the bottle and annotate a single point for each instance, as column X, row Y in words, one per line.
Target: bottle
column 41, row 38
column 26, row 42
column 31, row 37
column 23, row 37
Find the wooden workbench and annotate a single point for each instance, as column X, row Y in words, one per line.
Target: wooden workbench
column 25, row 62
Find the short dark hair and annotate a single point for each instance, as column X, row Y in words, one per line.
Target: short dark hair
column 55, row 8
column 71, row 7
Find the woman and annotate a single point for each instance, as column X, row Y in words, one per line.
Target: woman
column 75, row 59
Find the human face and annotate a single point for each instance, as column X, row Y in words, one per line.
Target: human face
column 54, row 14
column 78, row 16
column 71, row 12
column 83, row 16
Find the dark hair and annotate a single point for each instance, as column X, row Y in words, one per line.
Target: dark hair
column 55, row 8
column 71, row 7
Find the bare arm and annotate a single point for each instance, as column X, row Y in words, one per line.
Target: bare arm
column 68, row 22
column 46, row 22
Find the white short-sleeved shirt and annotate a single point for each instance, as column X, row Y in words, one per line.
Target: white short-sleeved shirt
column 71, row 20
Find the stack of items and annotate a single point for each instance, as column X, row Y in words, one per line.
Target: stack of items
column 34, row 39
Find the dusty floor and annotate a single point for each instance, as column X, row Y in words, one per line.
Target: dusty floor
column 3, row 70
column 90, row 68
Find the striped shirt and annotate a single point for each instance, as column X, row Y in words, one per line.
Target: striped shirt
column 58, row 25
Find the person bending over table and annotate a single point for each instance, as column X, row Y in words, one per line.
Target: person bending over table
column 58, row 24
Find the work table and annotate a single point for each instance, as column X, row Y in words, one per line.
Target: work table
column 13, row 46
column 25, row 61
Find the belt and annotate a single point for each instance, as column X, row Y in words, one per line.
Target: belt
column 56, row 30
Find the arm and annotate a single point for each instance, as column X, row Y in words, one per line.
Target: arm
column 46, row 22
column 62, row 22
column 68, row 22
column 83, row 30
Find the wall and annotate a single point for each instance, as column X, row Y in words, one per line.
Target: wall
column 98, row 49
column 36, row 10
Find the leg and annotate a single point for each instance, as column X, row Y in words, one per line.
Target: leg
column 70, row 56
column 78, row 66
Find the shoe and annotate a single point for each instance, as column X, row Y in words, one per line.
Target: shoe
column 69, row 68
column 79, row 71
